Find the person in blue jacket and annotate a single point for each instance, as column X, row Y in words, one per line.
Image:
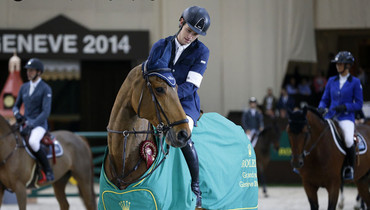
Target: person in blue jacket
column 343, row 96
column 36, row 96
column 187, row 58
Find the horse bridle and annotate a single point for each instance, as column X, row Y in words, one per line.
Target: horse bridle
column 161, row 130
column 12, row 131
column 307, row 134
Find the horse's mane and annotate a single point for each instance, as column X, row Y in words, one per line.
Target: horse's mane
column 314, row 110
column 3, row 122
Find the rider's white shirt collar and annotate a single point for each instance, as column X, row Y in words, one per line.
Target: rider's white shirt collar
column 179, row 49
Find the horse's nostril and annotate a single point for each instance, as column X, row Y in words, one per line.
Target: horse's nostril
column 182, row 135
column 301, row 163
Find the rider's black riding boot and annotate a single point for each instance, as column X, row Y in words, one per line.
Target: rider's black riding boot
column 191, row 158
column 348, row 173
column 41, row 156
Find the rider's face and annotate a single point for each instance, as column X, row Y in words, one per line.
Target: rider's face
column 340, row 67
column 186, row 35
column 31, row 73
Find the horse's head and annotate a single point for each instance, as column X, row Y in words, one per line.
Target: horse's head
column 155, row 99
column 271, row 132
column 298, row 134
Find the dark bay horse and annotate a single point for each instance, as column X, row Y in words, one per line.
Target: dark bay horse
column 319, row 161
column 16, row 166
column 141, row 100
column 270, row 135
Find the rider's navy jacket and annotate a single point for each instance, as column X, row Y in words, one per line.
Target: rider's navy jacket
column 188, row 70
column 350, row 95
column 37, row 106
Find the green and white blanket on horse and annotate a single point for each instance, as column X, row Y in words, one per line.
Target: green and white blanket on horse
column 228, row 174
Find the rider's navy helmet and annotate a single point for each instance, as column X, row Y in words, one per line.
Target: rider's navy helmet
column 344, row 57
column 197, row 18
column 35, row 63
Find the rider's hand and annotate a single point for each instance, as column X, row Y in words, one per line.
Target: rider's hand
column 26, row 131
column 340, row 108
column 19, row 118
column 322, row 111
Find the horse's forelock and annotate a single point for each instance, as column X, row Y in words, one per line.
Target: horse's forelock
column 297, row 120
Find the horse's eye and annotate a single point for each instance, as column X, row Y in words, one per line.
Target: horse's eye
column 159, row 90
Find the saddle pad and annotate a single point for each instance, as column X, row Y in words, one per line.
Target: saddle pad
column 227, row 167
column 58, row 150
column 362, row 145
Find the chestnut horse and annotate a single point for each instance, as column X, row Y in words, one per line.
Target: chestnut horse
column 270, row 135
column 16, row 166
column 142, row 99
column 319, row 161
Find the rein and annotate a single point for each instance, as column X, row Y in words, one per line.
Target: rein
column 160, row 130
column 308, row 134
column 12, row 130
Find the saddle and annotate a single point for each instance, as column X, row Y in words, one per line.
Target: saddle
column 48, row 144
column 52, row 148
column 359, row 140
column 49, row 141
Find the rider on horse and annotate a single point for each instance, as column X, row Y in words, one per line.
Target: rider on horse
column 36, row 97
column 343, row 96
column 187, row 58
column 252, row 121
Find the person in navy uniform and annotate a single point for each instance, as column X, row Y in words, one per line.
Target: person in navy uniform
column 343, row 96
column 36, row 96
column 187, row 58
column 252, row 121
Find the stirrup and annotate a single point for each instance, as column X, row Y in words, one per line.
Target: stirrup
column 49, row 176
column 199, row 202
column 196, row 190
column 348, row 173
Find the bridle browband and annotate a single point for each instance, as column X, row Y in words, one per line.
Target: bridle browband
column 160, row 130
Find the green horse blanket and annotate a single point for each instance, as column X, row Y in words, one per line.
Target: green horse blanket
column 228, row 174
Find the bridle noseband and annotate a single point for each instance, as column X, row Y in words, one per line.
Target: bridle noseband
column 160, row 131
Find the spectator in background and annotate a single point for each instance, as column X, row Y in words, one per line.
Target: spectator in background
column 362, row 75
column 291, row 87
column 285, row 102
column 304, row 87
column 252, row 120
column 319, row 83
column 304, row 90
column 269, row 103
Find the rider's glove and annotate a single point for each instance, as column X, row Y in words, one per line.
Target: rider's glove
column 340, row 108
column 26, row 131
column 322, row 111
column 19, row 118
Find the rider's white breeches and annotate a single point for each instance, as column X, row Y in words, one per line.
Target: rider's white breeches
column 348, row 129
column 191, row 123
column 35, row 138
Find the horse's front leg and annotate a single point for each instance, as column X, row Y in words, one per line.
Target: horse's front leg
column 2, row 188
column 363, row 189
column 311, row 192
column 333, row 193
column 21, row 193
